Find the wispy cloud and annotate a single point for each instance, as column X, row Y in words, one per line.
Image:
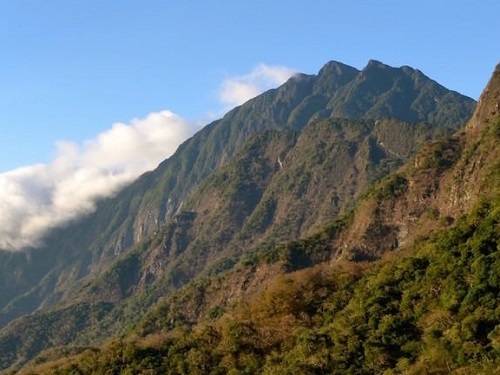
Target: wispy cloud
column 37, row 198
column 237, row 90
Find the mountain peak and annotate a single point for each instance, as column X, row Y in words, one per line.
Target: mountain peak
column 378, row 69
column 372, row 63
column 333, row 75
column 337, row 68
column 377, row 66
column 382, row 91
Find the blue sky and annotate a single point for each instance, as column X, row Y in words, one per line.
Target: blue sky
column 69, row 69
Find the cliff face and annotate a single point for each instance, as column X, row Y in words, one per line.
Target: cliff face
column 442, row 182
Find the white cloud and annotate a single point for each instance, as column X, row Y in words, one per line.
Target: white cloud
column 238, row 89
column 37, row 198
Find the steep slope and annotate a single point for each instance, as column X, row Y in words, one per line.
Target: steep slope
column 435, row 311
column 281, row 187
column 443, row 182
column 273, row 169
column 309, row 178
column 432, row 306
column 40, row 277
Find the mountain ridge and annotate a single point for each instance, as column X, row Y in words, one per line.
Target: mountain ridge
column 129, row 227
column 429, row 302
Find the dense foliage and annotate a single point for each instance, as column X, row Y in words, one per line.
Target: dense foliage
column 433, row 310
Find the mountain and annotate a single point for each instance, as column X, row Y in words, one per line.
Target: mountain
column 428, row 304
column 277, row 168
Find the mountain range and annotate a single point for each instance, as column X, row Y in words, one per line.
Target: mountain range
column 270, row 222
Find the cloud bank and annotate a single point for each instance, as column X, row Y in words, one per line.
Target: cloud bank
column 239, row 89
column 37, row 198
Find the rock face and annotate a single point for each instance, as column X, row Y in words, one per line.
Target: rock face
column 488, row 107
column 274, row 169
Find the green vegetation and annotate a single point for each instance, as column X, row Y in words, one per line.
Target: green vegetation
column 302, row 253
column 435, row 310
column 393, row 186
column 440, row 155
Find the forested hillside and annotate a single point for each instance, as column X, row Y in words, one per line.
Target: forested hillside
column 286, row 194
column 431, row 305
